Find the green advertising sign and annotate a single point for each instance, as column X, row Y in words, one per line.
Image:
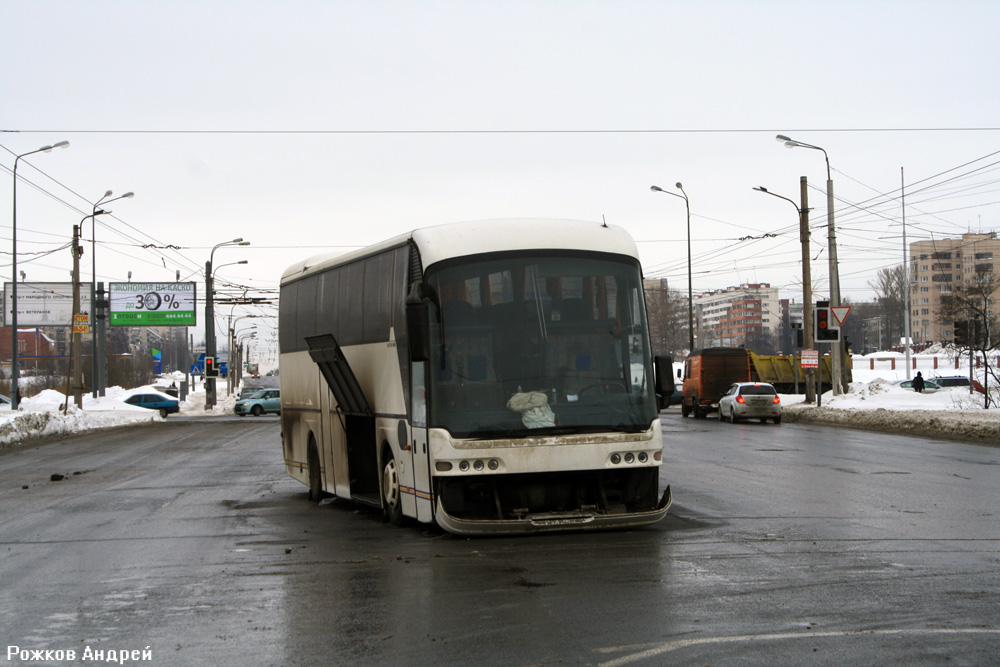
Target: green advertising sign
column 152, row 304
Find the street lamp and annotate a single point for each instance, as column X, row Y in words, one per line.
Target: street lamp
column 15, row 394
column 210, row 316
column 836, row 348
column 235, row 370
column 687, row 205
column 76, row 363
column 807, row 324
column 97, row 354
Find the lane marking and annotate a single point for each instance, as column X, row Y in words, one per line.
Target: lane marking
column 701, row 641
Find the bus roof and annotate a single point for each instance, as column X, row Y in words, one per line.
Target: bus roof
column 460, row 239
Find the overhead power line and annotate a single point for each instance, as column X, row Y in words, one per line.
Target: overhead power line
column 515, row 131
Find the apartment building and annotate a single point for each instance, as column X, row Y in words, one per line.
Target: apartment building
column 737, row 315
column 939, row 270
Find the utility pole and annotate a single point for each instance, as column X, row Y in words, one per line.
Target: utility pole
column 807, row 318
column 77, row 362
column 209, row 335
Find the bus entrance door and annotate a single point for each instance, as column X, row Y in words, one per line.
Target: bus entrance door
column 420, row 463
column 358, row 416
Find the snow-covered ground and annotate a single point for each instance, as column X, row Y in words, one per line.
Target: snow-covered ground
column 873, row 403
column 42, row 415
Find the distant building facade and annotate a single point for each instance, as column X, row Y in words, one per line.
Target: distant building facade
column 939, row 270
column 34, row 349
column 738, row 316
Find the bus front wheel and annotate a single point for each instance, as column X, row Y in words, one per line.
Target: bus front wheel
column 392, row 509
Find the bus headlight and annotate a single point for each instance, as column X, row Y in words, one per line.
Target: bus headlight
column 616, row 458
column 478, row 465
column 493, row 464
column 463, row 466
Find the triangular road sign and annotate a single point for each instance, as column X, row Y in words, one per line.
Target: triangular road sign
column 840, row 312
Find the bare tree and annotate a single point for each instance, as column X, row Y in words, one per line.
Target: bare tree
column 971, row 307
column 890, row 288
column 667, row 314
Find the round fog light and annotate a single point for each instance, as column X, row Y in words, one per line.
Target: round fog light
column 478, row 465
column 629, row 458
column 616, row 458
column 463, row 466
column 493, row 464
column 642, row 457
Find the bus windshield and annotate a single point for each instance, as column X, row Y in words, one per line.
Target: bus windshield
column 528, row 344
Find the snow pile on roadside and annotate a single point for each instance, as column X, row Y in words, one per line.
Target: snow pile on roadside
column 42, row 415
column 880, row 406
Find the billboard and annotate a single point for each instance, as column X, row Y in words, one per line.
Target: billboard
column 152, row 304
column 45, row 304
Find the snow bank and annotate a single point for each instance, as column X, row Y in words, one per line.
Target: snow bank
column 878, row 405
column 42, row 415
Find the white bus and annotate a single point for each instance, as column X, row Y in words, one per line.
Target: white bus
column 492, row 377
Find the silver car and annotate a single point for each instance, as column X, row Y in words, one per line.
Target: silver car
column 746, row 400
column 930, row 386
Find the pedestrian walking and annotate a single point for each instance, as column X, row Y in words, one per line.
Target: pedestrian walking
column 918, row 383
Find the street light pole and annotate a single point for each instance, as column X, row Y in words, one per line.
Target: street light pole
column 15, row 375
column 807, row 321
column 77, row 361
column 97, row 312
column 687, row 206
column 836, row 349
column 210, row 351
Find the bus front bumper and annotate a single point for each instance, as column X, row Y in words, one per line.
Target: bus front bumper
column 552, row 521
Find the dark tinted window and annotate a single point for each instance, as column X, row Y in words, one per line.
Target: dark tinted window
column 286, row 318
column 305, row 314
column 378, row 297
column 757, row 390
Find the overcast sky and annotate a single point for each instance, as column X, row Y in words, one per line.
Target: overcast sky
column 308, row 126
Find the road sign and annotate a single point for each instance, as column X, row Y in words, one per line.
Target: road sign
column 810, row 358
column 840, row 312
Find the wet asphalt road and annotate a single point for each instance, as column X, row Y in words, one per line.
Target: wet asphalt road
column 792, row 544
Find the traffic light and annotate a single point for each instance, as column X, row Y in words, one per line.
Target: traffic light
column 210, row 370
column 826, row 330
column 962, row 332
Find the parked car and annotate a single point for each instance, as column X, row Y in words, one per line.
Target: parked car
column 265, row 400
column 4, row 401
column 247, row 392
column 164, row 404
column 746, row 400
column 949, row 381
column 930, row 386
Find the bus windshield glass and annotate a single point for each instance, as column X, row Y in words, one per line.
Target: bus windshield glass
column 527, row 344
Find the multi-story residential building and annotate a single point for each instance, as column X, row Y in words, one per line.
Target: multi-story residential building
column 942, row 269
column 737, row 316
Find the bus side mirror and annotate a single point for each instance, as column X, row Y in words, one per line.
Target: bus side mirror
column 418, row 329
column 664, row 371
